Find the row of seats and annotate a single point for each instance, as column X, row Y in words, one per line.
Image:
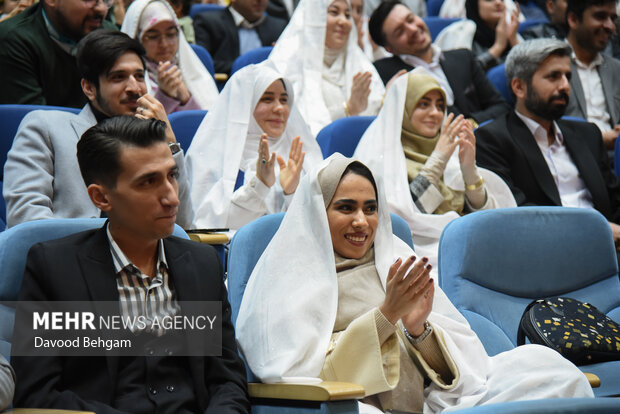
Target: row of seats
column 489, row 275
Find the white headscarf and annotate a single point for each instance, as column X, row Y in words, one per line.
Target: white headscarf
column 380, row 148
column 197, row 79
column 298, row 55
column 289, row 307
column 227, row 141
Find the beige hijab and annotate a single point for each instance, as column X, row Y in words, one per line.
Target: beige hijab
column 418, row 148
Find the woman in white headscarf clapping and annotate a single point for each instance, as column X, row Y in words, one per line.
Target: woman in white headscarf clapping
column 250, row 150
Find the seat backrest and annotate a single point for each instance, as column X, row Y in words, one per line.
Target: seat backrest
column 497, row 76
column 433, row 7
column 437, row 24
column 343, row 135
column 493, row 263
column 10, row 118
column 14, row 245
column 199, row 8
column 253, row 56
column 203, row 54
column 184, row 125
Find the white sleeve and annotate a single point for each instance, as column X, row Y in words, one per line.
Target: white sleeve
column 248, row 203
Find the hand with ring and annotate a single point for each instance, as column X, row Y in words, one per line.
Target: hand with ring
column 265, row 163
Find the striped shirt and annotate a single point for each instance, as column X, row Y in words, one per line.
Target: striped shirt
column 141, row 296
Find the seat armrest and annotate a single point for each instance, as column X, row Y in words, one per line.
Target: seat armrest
column 593, row 379
column 323, row 391
column 221, row 77
column 209, row 238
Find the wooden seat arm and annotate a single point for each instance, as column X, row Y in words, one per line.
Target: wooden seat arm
column 593, row 379
column 209, row 238
column 322, row 391
column 221, row 77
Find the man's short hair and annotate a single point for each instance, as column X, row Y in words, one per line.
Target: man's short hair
column 525, row 58
column 99, row 149
column 579, row 6
column 100, row 49
column 377, row 18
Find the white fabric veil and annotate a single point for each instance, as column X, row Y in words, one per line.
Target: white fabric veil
column 227, row 141
column 198, row 80
column 380, row 148
column 289, row 307
column 298, row 55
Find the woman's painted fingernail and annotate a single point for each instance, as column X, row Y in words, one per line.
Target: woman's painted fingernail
column 412, row 258
column 429, row 267
column 425, row 259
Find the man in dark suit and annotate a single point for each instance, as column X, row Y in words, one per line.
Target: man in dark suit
column 131, row 175
column 235, row 30
column 545, row 160
column 405, row 35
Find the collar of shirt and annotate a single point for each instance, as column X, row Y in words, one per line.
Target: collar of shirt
column 121, row 261
column 539, row 133
column 66, row 44
column 598, row 60
column 416, row 61
column 241, row 22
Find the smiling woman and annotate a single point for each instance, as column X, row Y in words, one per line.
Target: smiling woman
column 177, row 77
column 335, row 295
column 235, row 176
column 340, row 81
column 432, row 158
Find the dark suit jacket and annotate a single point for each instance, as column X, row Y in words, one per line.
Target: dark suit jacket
column 507, row 147
column 474, row 95
column 216, row 32
column 80, row 268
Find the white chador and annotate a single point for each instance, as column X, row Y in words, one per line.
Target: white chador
column 226, row 142
column 321, row 89
column 380, row 148
column 291, row 303
column 198, row 80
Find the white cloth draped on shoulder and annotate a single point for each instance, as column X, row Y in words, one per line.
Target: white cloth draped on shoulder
column 380, row 148
column 289, row 308
column 227, row 141
column 298, row 55
column 198, row 80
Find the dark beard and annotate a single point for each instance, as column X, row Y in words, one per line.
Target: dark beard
column 545, row 110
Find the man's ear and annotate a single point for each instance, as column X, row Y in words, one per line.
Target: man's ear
column 519, row 88
column 99, row 196
column 572, row 20
column 89, row 89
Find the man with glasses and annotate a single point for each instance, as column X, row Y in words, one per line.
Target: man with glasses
column 37, row 57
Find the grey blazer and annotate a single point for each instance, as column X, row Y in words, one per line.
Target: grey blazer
column 609, row 71
column 42, row 177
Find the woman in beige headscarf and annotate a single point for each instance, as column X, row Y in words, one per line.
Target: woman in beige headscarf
column 429, row 160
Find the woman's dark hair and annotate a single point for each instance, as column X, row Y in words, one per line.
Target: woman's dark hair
column 358, row 168
column 485, row 35
column 99, row 149
column 99, row 50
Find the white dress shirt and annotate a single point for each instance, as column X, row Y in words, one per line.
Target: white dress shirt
column 248, row 36
column 596, row 107
column 572, row 189
column 435, row 69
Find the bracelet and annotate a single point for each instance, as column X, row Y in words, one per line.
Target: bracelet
column 346, row 108
column 477, row 185
column 416, row 340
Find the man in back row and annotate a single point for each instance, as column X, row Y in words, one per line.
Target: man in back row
column 402, row 33
column 41, row 177
column 547, row 161
column 37, row 57
column 131, row 175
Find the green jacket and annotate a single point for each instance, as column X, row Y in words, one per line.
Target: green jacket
column 33, row 68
